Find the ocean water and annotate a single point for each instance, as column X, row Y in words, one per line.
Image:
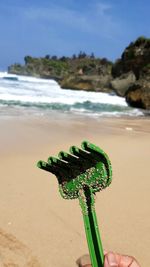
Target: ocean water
column 29, row 95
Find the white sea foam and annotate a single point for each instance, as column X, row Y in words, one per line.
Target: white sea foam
column 35, row 91
column 48, row 91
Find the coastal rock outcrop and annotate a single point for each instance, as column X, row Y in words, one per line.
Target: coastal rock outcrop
column 138, row 95
column 128, row 77
column 134, row 58
column 88, row 83
column 131, row 74
column 82, row 72
column 121, row 84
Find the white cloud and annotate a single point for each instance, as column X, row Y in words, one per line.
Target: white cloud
column 102, row 8
column 95, row 20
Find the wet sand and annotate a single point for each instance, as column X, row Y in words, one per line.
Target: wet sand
column 38, row 227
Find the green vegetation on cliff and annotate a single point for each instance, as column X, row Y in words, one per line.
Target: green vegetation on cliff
column 135, row 58
column 58, row 68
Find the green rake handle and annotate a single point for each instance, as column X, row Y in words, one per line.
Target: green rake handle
column 86, row 200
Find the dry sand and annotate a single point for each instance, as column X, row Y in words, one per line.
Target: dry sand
column 38, row 227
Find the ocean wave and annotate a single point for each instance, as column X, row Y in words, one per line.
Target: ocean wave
column 30, row 92
column 85, row 108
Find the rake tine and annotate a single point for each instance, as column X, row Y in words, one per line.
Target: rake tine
column 80, row 153
column 47, row 167
column 63, row 167
column 90, row 148
column 67, row 157
column 95, row 153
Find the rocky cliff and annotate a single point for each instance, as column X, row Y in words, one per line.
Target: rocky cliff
column 80, row 72
column 132, row 74
column 129, row 76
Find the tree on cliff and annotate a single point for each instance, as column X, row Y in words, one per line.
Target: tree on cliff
column 28, row 59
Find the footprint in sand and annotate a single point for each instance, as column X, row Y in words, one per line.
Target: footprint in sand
column 14, row 254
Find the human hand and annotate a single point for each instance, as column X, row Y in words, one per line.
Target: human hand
column 118, row 260
column 111, row 260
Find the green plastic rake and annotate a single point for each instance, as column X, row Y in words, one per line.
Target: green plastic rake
column 81, row 173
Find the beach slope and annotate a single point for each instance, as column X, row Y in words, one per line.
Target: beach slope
column 35, row 220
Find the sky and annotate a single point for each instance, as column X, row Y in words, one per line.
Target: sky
column 66, row 27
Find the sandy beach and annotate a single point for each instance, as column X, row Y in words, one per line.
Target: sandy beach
column 40, row 229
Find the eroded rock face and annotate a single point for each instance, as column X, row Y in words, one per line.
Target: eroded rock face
column 138, row 95
column 136, row 88
column 121, row 84
column 88, row 83
column 134, row 58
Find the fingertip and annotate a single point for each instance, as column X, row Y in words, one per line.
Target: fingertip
column 106, row 264
column 105, row 252
column 129, row 261
column 111, row 260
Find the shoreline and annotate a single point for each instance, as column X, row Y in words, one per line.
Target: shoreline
column 23, row 129
column 32, row 209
